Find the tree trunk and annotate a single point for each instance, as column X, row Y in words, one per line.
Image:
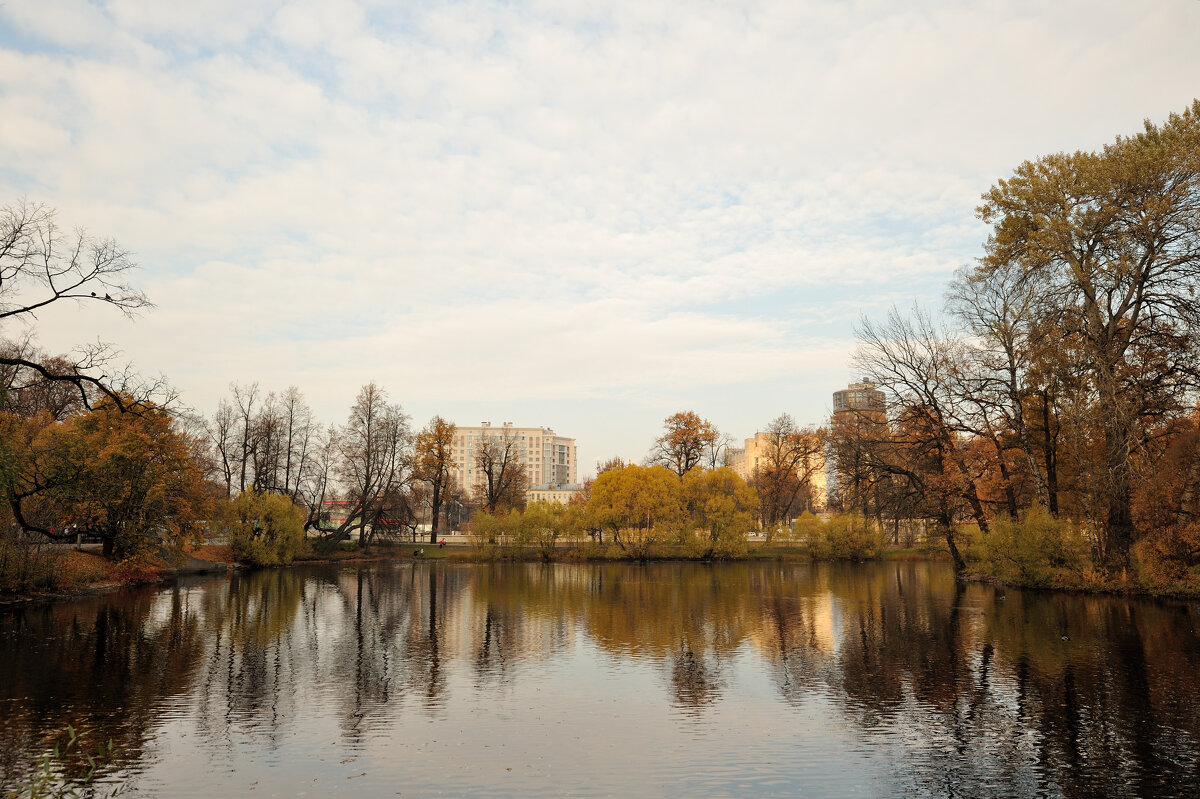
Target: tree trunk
column 436, row 510
column 1050, row 454
column 1187, row 510
column 1010, row 494
column 947, row 525
column 1119, row 532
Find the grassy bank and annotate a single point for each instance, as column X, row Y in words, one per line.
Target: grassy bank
column 1026, row 555
column 34, row 572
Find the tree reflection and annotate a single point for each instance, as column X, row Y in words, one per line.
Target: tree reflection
column 93, row 664
column 972, row 693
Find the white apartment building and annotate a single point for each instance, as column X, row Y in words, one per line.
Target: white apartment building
column 549, row 458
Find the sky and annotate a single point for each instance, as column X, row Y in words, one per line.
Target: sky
column 580, row 215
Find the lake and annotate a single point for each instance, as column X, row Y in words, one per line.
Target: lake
column 665, row 679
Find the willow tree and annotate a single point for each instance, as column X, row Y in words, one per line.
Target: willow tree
column 1112, row 240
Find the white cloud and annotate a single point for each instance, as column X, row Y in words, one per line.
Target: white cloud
column 329, row 192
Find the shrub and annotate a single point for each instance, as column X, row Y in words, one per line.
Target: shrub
column 844, row 536
column 263, row 529
column 1032, row 551
column 808, row 527
column 1170, row 554
column 27, row 568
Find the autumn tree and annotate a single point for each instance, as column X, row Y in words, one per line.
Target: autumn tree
column 635, row 503
column 434, row 464
column 129, row 479
column 1112, row 239
column 720, row 502
column 503, row 479
column 791, row 458
column 685, row 442
column 27, row 393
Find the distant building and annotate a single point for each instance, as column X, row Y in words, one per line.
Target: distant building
column 735, row 458
column 862, row 396
column 850, row 406
column 549, row 458
column 753, row 456
column 562, row 494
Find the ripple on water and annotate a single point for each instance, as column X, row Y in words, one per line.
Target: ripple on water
column 612, row 680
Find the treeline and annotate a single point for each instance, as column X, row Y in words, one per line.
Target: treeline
column 1060, row 380
column 1045, row 422
column 639, row 512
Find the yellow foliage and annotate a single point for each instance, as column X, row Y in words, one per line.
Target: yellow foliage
column 635, row 498
column 843, row 536
column 1033, row 551
column 723, row 504
column 262, row 529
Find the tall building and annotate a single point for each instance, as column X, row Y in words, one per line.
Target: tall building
column 862, row 396
column 549, row 458
column 857, row 405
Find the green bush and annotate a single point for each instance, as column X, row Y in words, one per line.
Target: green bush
column 844, row 536
column 1032, row 551
column 264, row 529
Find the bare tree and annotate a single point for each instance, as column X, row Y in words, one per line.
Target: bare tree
column 298, row 438
column 371, row 461
column 916, row 364
column 244, row 399
column 503, row 479
column 41, row 266
column 222, row 437
column 716, row 450
column 792, row 457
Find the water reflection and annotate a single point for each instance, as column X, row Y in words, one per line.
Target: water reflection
column 879, row 679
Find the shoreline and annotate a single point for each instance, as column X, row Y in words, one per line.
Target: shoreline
column 460, row 554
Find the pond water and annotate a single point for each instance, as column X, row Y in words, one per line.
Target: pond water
column 674, row 679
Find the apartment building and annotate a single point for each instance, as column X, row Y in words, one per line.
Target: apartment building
column 858, row 403
column 861, row 396
column 549, row 458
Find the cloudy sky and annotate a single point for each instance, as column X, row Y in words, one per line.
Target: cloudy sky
column 583, row 215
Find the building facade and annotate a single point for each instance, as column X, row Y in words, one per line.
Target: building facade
column 562, row 494
column 753, row 456
column 861, row 396
column 549, row 458
column 856, row 404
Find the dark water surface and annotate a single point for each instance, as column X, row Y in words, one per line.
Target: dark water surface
column 529, row 680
